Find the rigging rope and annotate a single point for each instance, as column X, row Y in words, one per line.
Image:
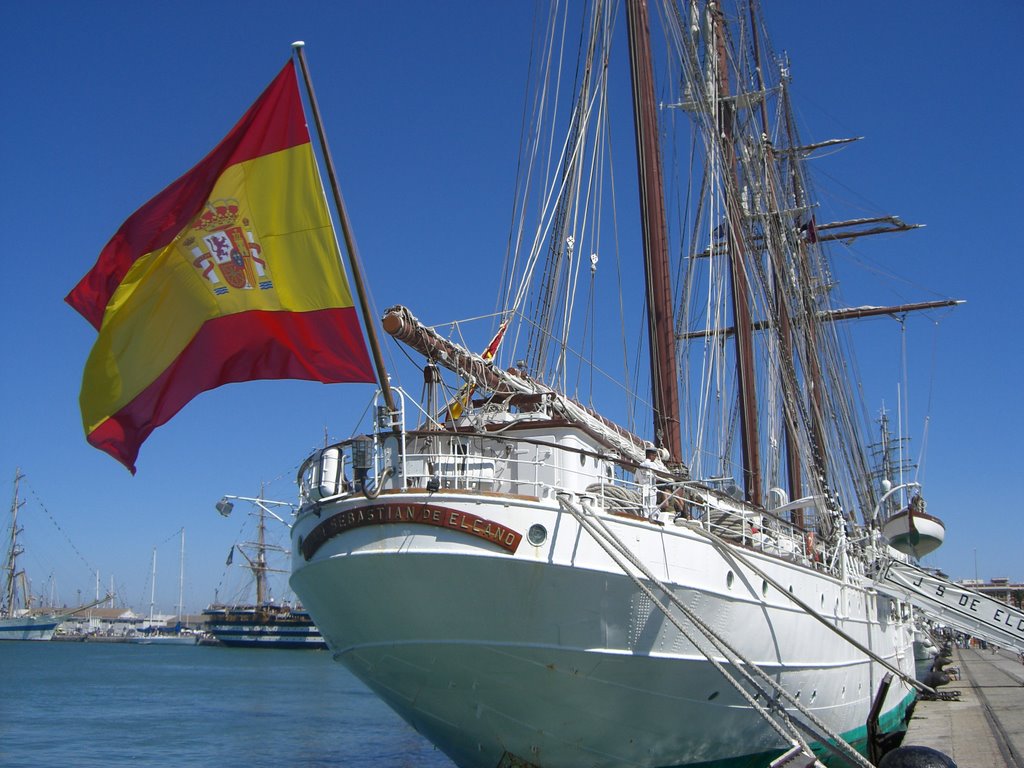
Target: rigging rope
column 608, row 541
column 57, row 525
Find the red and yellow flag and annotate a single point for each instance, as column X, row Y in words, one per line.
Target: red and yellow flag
column 465, row 393
column 232, row 273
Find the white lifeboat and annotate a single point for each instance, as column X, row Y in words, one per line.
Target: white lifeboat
column 913, row 532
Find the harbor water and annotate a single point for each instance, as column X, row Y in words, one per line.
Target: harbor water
column 92, row 704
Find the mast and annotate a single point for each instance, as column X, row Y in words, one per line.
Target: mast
column 12, row 551
column 152, row 590
column 774, row 242
column 181, row 576
column 886, row 454
column 661, row 326
column 350, row 243
column 737, row 261
column 259, row 568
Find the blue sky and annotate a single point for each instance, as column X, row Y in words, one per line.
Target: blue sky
column 107, row 102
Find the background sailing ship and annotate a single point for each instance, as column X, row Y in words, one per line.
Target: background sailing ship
column 17, row 621
column 265, row 623
column 19, row 618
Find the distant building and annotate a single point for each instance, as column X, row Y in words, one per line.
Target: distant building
column 116, row 622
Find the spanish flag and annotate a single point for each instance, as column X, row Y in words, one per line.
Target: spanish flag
column 232, row 273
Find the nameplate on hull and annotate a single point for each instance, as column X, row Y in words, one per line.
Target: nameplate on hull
column 396, row 513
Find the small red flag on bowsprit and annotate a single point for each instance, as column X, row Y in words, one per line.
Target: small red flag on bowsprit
column 231, row 274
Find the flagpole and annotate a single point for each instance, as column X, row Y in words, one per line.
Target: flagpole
column 350, row 244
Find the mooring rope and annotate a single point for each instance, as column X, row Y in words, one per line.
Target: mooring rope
column 728, row 552
column 608, row 541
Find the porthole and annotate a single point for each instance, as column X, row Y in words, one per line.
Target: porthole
column 538, row 534
column 764, row 588
column 713, row 696
column 730, row 577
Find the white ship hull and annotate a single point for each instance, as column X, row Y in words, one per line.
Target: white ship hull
column 27, row 627
column 555, row 657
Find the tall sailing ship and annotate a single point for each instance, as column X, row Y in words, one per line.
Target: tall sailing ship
column 526, row 571
column 528, row 580
column 17, row 621
column 265, row 623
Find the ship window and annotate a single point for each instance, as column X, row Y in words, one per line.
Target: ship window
column 729, row 578
column 764, row 588
column 538, row 534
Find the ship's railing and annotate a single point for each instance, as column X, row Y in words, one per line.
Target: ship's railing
column 436, row 460
column 432, row 461
column 765, row 532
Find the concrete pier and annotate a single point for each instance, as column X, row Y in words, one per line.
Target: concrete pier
column 985, row 728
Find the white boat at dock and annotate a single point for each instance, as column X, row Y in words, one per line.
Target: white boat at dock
column 159, row 633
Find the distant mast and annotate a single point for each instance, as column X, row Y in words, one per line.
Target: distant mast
column 660, row 316
column 13, row 550
column 181, row 578
column 152, row 590
column 259, row 568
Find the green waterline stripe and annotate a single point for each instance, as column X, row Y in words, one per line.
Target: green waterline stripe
column 889, row 722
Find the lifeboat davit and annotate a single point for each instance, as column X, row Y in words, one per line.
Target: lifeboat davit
column 913, row 532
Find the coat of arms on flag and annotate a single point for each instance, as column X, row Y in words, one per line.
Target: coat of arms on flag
column 224, row 248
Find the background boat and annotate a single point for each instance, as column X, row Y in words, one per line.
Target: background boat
column 157, row 634
column 17, row 621
column 265, row 623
